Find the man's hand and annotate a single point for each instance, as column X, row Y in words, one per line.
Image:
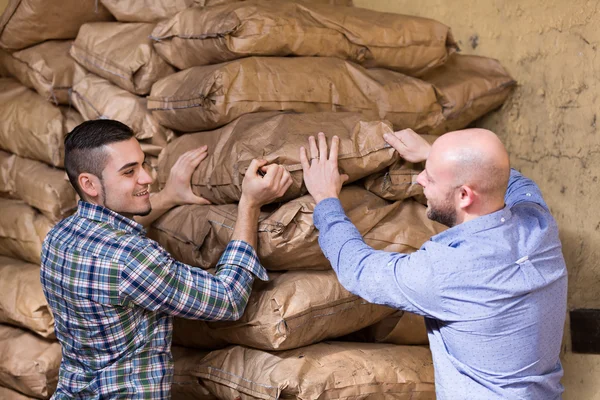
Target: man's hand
column 321, row 175
column 259, row 190
column 409, row 144
column 178, row 189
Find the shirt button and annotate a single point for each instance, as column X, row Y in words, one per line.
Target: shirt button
column 528, row 195
column 503, row 219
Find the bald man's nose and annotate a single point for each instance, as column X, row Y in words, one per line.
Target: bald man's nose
column 421, row 179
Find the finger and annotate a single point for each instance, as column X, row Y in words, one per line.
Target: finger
column 254, row 166
column 395, row 142
column 344, row 178
column 304, row 160
column 284, row 183
column 201, row 201
column 335, row 146
column 314, row 150
column 322, row 146
column 270, row 172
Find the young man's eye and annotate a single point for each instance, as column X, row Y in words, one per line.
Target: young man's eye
column 128, row 172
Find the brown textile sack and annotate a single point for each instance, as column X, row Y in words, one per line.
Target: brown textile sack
column 44, row 188
column 154, row 11
column 185, row 385
column 202, row 36
column 287, row 238
column 28, row 22
column 22, row 230
column 40, row 138
column 203, row 98
column 97, row 98
column 22, row 301
column 473, row 86
column 9, row 394
column 47, row 68
column 121, row 53
column 28, row 363
column 277, row 137
column 399, row 182
column 401, row 328
column 328, row 370
column 294, row 309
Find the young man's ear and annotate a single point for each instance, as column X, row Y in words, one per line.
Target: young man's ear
column 89, row 184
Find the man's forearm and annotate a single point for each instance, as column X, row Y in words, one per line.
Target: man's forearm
column 246, row 226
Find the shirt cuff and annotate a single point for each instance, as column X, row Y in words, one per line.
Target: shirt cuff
column 241, row 254
column 327, row 207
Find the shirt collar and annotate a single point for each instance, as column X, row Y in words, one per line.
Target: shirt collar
column 99, row 213
column 474, row 226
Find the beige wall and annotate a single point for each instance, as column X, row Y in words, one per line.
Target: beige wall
column 550, row 125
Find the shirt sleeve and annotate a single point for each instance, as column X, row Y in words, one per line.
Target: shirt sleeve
column 403, row 281
column 152, row 279
column 521, row 189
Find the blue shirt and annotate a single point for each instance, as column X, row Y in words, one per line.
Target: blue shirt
column 113, row 293
column 493, row 291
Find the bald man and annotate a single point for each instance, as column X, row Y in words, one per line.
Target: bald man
column 492, row 288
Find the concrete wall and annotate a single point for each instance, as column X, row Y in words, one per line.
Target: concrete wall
column 550, row 125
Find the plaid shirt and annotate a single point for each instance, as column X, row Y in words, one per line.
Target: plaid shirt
column 113, row 293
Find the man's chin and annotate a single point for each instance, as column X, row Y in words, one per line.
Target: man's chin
column 144, row 213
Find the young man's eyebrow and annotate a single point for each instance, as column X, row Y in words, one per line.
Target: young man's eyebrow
column 128, row 165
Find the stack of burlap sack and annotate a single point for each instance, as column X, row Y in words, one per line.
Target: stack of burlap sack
column 249, row 79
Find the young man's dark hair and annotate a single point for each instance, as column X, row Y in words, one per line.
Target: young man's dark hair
column 84, row 148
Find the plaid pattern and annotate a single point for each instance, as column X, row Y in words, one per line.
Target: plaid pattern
column 113, row 293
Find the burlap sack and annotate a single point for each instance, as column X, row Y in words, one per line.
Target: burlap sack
column 153, row 10
column 47, row 68
column 22, row 230
column 28, row 363
column 40, row 138
column 121, row 53
column 97, row 98
column 22, row 302
column 473, row 86
column 328, row 370
column 9, row 394
column 277, row 137
column 399, row 181
column 402, row 328
column 28, row 22
column 42, row 187
column 7, row 183
column 293, row 309
column 203, row 98
column 202, row 36
column 404, row 229
column 185, row 385
column 287, row 238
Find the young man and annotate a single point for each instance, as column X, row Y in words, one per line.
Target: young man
column 492, row 287
column 113, row 292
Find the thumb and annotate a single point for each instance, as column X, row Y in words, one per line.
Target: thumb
column 200, row 200
column 255, row 164
column 344, row 178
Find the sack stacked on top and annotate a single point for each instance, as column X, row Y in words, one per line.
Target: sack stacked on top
column 28, row 22
column 203, row 98
column 156, row 10
column 277, row 137
column 46, row 68
column 202, row 36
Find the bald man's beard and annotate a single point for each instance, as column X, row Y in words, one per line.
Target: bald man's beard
column 444, row 212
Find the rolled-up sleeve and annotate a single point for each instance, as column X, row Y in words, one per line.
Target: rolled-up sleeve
column 155, row 281
column 404, row 281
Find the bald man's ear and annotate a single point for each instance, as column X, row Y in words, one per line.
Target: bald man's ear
column 89, row 184
column 466, row 196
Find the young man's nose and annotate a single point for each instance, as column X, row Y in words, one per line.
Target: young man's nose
column 145, row 178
